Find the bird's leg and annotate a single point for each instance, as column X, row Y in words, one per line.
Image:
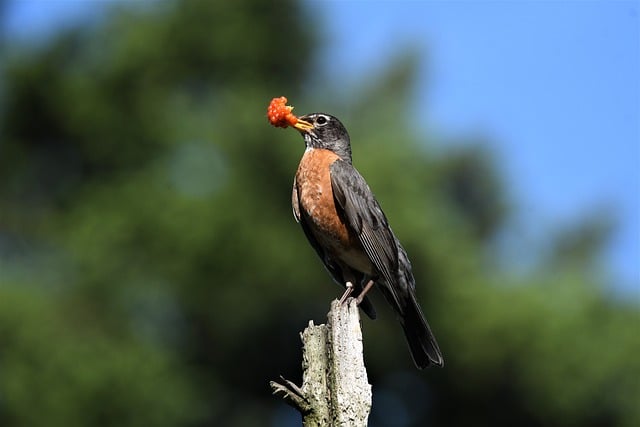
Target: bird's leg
column 347, row 292
column 364, row 291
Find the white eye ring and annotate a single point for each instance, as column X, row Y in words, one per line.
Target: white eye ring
column 322, row 120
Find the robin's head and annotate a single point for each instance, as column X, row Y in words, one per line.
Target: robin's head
column 325, row 131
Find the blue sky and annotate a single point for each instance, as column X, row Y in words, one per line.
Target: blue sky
column 554, row 85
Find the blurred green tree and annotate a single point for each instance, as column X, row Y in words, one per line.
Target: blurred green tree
column 151, row 272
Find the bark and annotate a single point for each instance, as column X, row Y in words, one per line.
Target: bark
column 335, row 390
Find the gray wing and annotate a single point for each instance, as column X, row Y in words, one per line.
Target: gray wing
column 295, row 203
column 364, row 215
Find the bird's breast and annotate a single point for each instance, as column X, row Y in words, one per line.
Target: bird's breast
column 318, row 208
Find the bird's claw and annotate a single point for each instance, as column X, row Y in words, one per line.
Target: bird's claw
column 346, row 293
column 364, row 291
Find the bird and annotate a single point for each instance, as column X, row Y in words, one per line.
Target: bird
column 347, row 228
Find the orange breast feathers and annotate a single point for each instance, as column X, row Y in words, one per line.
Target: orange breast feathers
column 316, row 198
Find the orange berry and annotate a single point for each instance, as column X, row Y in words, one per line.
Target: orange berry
column 279, row 113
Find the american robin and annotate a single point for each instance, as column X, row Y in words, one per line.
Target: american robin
column 346, row 226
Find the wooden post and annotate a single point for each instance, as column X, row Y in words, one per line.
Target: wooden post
column 335, row 390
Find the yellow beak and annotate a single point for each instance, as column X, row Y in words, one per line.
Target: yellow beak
column 303, row 126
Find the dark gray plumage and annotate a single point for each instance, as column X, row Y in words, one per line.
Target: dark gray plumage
column 371, row 250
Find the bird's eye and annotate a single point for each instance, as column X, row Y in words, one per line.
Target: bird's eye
column 321, row 120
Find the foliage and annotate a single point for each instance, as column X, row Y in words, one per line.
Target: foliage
column 151, row 272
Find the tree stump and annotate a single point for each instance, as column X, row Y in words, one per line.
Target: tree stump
column 335, row 390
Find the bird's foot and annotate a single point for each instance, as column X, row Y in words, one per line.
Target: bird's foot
column 364, row 291
column 347, row 292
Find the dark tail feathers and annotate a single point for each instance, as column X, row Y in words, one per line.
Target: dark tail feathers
column 423, row 345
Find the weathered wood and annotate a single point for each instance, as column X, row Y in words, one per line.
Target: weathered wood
column 335, row 390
